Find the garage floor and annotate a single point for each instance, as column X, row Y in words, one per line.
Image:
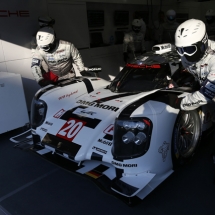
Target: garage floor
column 31, row 185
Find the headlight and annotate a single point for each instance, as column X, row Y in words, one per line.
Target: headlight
column 131, row 138
column 38, row 112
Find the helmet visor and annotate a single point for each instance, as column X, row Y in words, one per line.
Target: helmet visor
column 170, row 18
column 136, row 28
column 45, row 48
column 188, row 50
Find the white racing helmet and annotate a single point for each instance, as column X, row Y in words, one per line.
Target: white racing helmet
column 191, row 40
column 46, row 38
column 136, row 25
column 210, row 16
column 171, row 16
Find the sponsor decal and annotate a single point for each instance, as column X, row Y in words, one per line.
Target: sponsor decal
column 70, row 129
column 59, row 51
column 154, row 66
column 166, row 46
column 99, row 150
column 192, row 103
column 48, row 123
column 144, row 58
column 205, row 38
column 109, row 130
column 59, row 113
column 123, row 164
column 98, row 105
column 67, row 95
column 35, row 62
column 210, row 86
column 118, row 100
column 94, row 69
column 84, row 112
column 62, row 60
column 164, row 150
column 50, row 58
column 43, row 129
column 105, row 142
column 17, row 13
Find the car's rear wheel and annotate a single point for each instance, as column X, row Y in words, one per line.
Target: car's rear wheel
column 186, row 136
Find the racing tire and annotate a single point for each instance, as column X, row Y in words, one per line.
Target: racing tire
column 186, row 137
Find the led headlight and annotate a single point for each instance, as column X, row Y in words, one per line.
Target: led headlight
column 38, row 112
column 131, row 137
column 140, row 138
column 128, row 137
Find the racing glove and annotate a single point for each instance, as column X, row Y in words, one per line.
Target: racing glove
column 44, row 82
column 125, row 57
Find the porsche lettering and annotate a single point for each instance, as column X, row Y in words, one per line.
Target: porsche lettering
column 98, row 105
column 17, row 13
column 154, row 66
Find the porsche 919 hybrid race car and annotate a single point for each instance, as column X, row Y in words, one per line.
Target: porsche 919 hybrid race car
column 128, row 131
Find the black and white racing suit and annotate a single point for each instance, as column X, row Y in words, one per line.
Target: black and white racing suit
column 60, row 61
column 204, row 72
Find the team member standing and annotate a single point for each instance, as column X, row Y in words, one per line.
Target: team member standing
column 59, row 56
column 169, row 27
column 133, row 42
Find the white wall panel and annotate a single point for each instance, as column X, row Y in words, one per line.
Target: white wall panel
column 3, row 67
column 23, row 67
column 1, row 51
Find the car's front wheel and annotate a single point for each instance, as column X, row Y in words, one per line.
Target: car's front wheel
column 186, row 136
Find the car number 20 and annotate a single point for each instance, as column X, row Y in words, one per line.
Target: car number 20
column 70, row 129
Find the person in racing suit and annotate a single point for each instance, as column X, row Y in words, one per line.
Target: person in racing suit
column 133, row 42
column 59, row 55
column 169, row 27
column 198, row 58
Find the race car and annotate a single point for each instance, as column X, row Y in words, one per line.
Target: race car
column 129, row 132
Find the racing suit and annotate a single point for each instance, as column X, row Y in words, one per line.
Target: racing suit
column 133, row 44
column 204, row 72
column 59, row 61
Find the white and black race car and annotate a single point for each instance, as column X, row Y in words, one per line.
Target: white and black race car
column 130, row 131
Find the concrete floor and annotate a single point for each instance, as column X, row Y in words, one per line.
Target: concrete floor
column 31, row 185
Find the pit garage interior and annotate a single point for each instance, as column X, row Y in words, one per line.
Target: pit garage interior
column 31, row 185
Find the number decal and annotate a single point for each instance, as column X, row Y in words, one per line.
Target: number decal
column 70, row 129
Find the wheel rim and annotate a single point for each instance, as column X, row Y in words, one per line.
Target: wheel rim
column 188, row 135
